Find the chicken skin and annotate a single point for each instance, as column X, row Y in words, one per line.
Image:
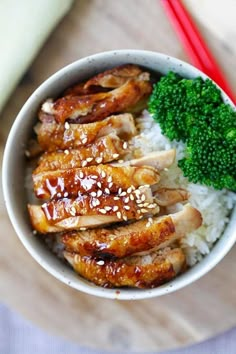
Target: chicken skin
column 133, row 271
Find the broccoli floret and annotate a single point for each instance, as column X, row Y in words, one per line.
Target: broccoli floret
column 192, row 110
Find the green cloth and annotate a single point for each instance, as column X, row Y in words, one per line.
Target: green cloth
column 24, row 26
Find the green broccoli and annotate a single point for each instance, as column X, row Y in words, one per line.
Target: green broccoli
column 192, row 111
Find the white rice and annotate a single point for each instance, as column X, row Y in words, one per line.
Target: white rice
column 214, row 205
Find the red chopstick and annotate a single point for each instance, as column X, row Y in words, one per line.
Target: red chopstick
column 194, row 43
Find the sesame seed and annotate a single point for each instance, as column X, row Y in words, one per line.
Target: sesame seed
column 67, row 125
column 93, row 194
column 146, row 204
column 118, row 214
column 73, row 211
column 151, row 206
column 99, row 184
column 141, row 205
column 166, row 169
column 115, row 208
column 107, row 208
column 123, row 194
column 84, row 140
column 89, row 159
column 126, row 207
column 120, row 161
column 143, row 197
column 126, row 200
column 146, row 185
column 103, row 174
column 138, row 201
column 94, row 177
column 115, row 156
column 110, row 184
column 27, row 153
column 66, row 194
column 84, row 163
column 129, row 190
column 119, row 190
column 66, row 152
column 125, row 217
column 131, row 197
column 109, row 179
column 83, row 228
column 98, row 159
column 101, row 262
column 81, row 175
column 116, row 198
column 148, row 224
column 103, row 211
column 144, row 210
column 34, row 232
column 99, row 193
column 107, row 191
column 97, row 202
column 58, row 195
column 94, row 202
column 125, row 145
column 137, row 192
column 150, row 220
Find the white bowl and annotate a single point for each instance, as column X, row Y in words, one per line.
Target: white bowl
column 14, row 172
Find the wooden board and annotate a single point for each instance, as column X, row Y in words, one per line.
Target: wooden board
column 187, row 316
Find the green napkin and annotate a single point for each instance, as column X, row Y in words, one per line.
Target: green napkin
column 24, row 26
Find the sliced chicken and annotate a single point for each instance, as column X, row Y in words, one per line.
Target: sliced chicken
column 135, row 271
column 110, row 204
column 96, row 107
column 107, row 149
column 111, row 179
column 52, row 136
column 42, row 225
column 170, row 196
column 144, row 235
column 157, row 159
column 112, row 78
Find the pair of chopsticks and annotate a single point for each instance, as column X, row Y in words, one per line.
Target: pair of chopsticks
column 194, row 43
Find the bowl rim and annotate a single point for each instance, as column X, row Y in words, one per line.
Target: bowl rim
column 200, row 269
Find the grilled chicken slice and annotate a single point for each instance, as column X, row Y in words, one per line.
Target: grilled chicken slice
column 157, row 159
column 112, row 78
column 121, row 206
column 42, row 225
column 135, row 271
column 157, row 232
column 107, row 149
column 87, row 211
column 111, row 179
column 169, row 196
column 52, row 136
column 96, row 107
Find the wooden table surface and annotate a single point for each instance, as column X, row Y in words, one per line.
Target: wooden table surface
column 195, row 313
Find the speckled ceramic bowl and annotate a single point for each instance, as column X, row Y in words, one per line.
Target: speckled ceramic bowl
column 14, row 172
